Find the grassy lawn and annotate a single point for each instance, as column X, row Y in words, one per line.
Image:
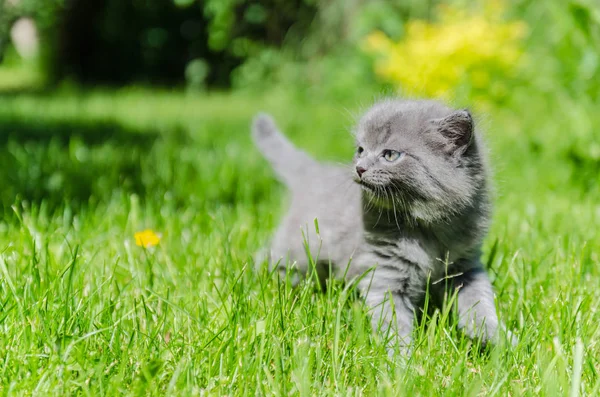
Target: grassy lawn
column 83, row 310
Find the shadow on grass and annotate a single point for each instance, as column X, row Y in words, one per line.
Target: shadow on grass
column 90, row 133
column 69, row 163
column 586, row 167
column 39, row 91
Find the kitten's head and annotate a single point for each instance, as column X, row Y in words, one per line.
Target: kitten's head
column 420, row 158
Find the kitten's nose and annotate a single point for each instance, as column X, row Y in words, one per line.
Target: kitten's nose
column 360, row 170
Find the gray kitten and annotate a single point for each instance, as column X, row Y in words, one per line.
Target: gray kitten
column 414, row 210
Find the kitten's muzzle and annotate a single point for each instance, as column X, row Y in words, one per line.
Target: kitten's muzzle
column 360, row 170
column 367, row 185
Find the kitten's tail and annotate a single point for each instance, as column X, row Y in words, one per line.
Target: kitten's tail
column 289, row 162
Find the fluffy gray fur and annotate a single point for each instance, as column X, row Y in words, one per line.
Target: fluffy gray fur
column 409, row 217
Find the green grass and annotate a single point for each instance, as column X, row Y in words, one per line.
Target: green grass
column 83, row 310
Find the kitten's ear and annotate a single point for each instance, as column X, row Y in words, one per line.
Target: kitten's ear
column 457, row 127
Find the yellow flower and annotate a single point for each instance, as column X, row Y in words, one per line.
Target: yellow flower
column 147, row 238
column 464, row 48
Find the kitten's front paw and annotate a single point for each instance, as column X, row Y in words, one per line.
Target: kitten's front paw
column 509, row 337
column 261, row 257
column 504, row 337
column 401, row 352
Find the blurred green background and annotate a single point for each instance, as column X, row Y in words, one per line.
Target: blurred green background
column 123, row 115
column 69, row 68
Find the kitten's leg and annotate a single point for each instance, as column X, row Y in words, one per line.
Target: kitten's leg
column 393, row 316
column 286, row 267
column 476, row 309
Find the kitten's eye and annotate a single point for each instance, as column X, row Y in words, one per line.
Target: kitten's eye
column 360, row 150
column 392, row 155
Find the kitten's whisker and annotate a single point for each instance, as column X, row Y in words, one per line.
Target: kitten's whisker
column 350, row 116
column 403, row 203
column 345, row 165
column 339, row 183
column 395, row 215
column 380, row 209
column 369, row 205
column 344, row 190
column 387, row 199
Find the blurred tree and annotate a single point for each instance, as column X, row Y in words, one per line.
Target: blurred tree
column 116, row 41
column 201, row 42
column 6, row 18
column 162, row 42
